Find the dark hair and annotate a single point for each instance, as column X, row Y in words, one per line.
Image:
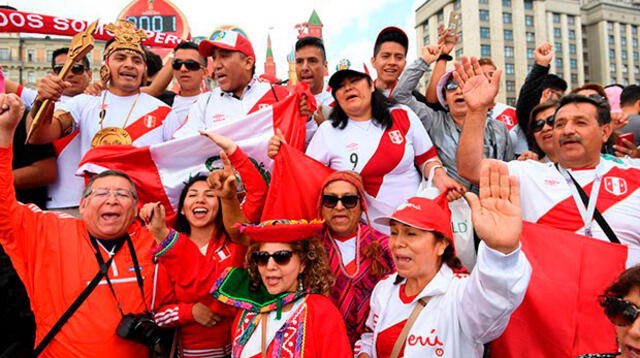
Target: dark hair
column 602, row 107
column 317, row 275
column 312, row 41
column 554, row 82
column 189, row 45
column 380, row 113
column 486, row 61
column 109, row 173
column 627, row 280
column 591, row 86
column 64, row 51
column 182, row 225
column 532, row 121
column 391, row 36
column 154, row 63
column 630, row 95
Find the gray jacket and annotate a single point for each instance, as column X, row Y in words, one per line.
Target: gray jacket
column 444, row 132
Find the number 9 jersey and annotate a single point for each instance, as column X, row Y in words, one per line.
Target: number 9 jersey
column 387, row 159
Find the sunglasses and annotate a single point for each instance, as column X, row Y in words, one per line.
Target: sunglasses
column 451, row 86
column 191, row 65
column 596, row 97
column 281, row 257
column 348, row 201
column 620, row 312
column 76, row 69
column 539, row 124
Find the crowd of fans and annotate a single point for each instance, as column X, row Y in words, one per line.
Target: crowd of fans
column 377, row 276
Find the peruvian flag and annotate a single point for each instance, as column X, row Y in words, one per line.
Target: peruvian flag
column 560, row 315
column 161, row 170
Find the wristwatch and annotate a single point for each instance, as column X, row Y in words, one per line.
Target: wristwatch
column 445, row 57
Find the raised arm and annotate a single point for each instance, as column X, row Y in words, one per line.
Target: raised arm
column 447, row 40
column 52, row 125
column 479, row 93
column 160, row 82
column 531, row 89
column 409, row 81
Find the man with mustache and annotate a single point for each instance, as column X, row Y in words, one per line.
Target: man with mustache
column 583, row 185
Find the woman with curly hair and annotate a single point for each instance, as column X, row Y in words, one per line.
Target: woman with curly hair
column 359, row 255
column 284, row 310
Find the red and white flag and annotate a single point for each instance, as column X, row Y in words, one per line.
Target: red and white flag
column 161, row 170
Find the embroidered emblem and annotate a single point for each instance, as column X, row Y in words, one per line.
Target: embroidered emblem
column 396, row 137
column 150, row 121
column 263, row 105
column 219, row 117
column 352, row 147
column 615, row 185
column 506, row 119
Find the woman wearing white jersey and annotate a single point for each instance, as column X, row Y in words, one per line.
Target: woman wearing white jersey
column 431, row 307
column 383, row 142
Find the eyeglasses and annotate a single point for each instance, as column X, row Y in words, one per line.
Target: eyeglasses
column 104, row 193
column 349, row 201
column 451, row 86
column 191, row 65
column 76, row 69
column 281, row 257
column 620, row 312
column 539, row 124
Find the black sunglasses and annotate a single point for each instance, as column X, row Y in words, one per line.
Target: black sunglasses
column 539, row 124
column 349, row 201
column 281, row 257
column 596, row 97
column 620, row 312
column 76, row 69
column 191, row 65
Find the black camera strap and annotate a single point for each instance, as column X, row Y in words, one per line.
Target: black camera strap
column 104, row 268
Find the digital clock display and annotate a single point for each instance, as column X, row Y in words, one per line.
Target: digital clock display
column 155, row 23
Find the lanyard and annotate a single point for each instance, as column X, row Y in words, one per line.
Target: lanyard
column 585, row 212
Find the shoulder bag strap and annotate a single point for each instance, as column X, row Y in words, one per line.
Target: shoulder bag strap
column 422, row 303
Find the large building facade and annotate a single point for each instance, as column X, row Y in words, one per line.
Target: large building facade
column 593, row 40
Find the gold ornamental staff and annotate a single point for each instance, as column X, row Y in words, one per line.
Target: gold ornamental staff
column 80, row 46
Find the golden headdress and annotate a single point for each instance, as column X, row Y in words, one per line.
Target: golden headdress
column 126, row 36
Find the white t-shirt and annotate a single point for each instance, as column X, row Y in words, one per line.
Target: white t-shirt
column 180, row 110
column 216, row 107
column 546, row 198
column 347, row 249
column 386, row 159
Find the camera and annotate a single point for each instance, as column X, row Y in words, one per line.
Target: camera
column 140, row 328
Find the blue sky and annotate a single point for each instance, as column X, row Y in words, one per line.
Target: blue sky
column 350, row 27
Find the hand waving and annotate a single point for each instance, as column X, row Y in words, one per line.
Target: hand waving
column 223, row 181
column 479, row 91
column 447, row 39
column 496, row 215
column 431, row 53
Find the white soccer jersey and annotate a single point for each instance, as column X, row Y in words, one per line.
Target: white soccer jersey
column 464, row 312
column 180, row 110
column 217, row 107
column 546, row 198
column 507, row 115
column 28, row 96
column 386, row 158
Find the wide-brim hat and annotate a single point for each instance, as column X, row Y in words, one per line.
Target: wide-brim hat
column 440, row 87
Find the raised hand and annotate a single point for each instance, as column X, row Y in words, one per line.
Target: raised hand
column 274, row 143
column 447, row 39
column 479, row 91
column 11, row 110
column 95, row 88
column 154, row 217
column 304, row 106
column 619, row 120
column 227, row 144
column 543, row 54
column 431, row 53
column 223, row 181
column 51, row 87
column 496, row 215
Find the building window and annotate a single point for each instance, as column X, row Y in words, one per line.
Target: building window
column 573, row 64
column 528, row 20
column 508, row 51
column 612, row 67
column 558, row 63
column 440, row 16
column 572, row 34
column 560, row 74
column 611, row 40
column 529, row 68
column 485, row 33
column 623, row 41
column 511, row 86
column 511, row 101
column 635, row 56
column 484, row 1
column 31, row 77
column 528, row 4
column 556, row 32
column 572, row 49
column 530, row 53
column 5, row 54
column 506, row 3
column 484, row 15
column 531, row 37
column 571, row 20
column 485, row 50
column 509, row 68
column 557, row 47
column 634, row 29
column 31, row 55
column 634, row 42
column 625, row 69
column 624, row 56
column 612, row 54
column 458, row 53
column 456, row 5
column 49, row 55
column 556, row 18
column 508, row 34
column 610, row 26
column 574, row 78
column 623, row 28
column 506, row 17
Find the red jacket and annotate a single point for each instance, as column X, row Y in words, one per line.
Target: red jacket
column 55, row 259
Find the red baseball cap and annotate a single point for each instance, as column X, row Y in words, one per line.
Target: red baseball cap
column 227, row 40
column 282, row 230
column 423, row 214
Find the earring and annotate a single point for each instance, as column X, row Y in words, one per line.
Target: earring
column 300, row 286
column 105, row 73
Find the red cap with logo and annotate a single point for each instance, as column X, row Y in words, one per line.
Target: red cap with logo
column 423, row 214
column 227, row 40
